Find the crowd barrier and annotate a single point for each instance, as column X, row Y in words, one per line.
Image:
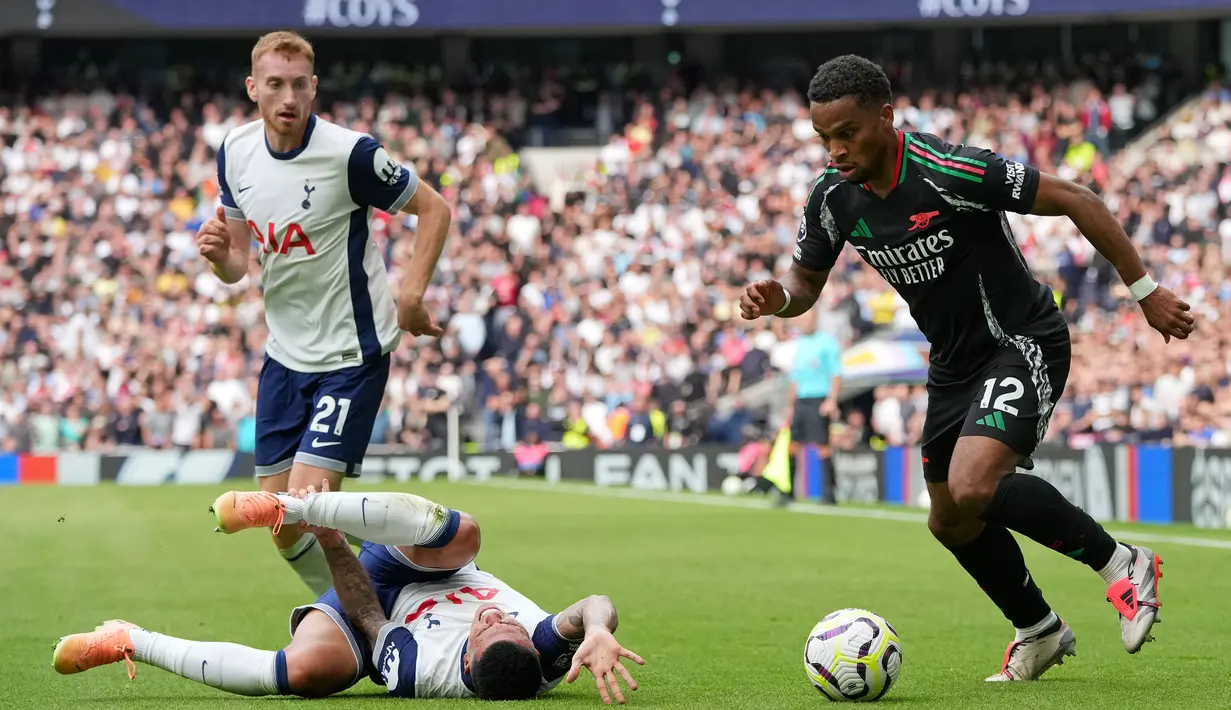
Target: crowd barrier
column 1112, row 482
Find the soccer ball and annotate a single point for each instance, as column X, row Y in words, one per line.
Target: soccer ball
column 732, row 485
column 853, row 654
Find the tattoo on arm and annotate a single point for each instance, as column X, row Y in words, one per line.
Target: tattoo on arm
column 354, row 589
column 593, row 612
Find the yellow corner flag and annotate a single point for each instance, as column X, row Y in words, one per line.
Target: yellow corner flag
column 778, row 468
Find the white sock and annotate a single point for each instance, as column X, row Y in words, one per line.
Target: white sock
column 308, row 561
column 1117, row 566
column 1032, row 631
column 226, row 666
column 382, row 518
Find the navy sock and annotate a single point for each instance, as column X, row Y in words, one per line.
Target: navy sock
column 284, row 685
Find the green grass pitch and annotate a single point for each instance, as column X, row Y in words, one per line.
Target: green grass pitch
column 717, row 599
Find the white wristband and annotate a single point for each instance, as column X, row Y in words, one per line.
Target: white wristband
column 1142, row 287
column 786, row 304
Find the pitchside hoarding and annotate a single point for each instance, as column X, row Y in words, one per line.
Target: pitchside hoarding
column 129, row 16
column 1146, row 484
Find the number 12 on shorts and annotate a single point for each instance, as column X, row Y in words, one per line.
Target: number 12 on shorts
column 1012, row 390
column 325, row 409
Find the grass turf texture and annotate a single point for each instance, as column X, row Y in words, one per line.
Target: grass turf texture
column 717, row 599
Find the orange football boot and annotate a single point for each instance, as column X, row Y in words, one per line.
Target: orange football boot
column 109, row 643
column 240, row 510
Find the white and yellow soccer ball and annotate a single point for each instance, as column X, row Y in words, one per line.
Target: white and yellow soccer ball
column 853, row 655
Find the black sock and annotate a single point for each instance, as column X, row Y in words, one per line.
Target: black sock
column 1033, row 507
column 831, row 480
column 995, row 561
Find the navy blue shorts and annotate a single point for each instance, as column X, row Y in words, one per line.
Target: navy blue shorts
column 390, row 572
column 322, row 419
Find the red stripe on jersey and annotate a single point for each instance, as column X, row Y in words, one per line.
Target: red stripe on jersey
column 897, row 175
column 947, row 163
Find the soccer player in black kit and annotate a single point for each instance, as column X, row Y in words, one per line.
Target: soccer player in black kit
column 929, row 216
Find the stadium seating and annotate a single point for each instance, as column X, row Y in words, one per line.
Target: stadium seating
column 623, row 304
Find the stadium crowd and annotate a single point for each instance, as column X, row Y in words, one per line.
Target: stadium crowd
column 611, row 318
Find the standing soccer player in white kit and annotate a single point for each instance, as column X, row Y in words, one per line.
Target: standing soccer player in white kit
column 304, row 189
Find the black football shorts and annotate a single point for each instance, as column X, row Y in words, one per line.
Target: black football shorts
column 1010, row 399
column 808, row 425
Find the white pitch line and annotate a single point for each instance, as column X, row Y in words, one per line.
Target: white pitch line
column 841, row 512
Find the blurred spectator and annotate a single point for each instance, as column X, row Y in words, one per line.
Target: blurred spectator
column 564, row 309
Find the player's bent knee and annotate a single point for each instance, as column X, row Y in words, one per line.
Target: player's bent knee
column 973, row 491
column 948, row 523
column 468, row 538
column 953, row 528
column 461, row 550
column 975, row 471
column 315, row 670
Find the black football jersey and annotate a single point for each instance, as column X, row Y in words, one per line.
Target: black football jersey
column 940, row 238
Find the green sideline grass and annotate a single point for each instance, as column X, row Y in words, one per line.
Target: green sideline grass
column 718, row 599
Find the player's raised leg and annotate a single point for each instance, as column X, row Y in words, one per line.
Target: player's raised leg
column 1004, row 427
column 318, row 662
column 429, row 534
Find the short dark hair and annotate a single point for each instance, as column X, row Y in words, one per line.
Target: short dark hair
column 507, row 671
column 850, row 75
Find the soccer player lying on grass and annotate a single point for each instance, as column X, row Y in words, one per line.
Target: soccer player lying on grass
column 412, row 612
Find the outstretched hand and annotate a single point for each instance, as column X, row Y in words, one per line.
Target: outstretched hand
column 1167, row 314
column 600, row 653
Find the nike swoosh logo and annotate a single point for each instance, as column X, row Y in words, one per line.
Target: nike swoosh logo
column 317, row 443
column 363, row 510
column 203, row 679
column 242, row 189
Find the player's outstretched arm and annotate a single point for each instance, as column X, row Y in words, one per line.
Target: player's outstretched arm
column 594, row 620
column 351, row 583
column 1164, row 311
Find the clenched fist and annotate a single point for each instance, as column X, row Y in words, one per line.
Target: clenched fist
column 1167, row 314
column 762, row 298
column 213, row 239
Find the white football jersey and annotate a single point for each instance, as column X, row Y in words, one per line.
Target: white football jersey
column 327, row 299
column 419, row 653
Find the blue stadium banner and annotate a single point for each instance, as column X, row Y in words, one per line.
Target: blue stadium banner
column 133, row 16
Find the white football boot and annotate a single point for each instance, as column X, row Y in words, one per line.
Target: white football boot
column 1030, row 658
column 1135, row 597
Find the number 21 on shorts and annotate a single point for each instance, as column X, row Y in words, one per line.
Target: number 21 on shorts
column 325, row 409
column 1011, row 390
